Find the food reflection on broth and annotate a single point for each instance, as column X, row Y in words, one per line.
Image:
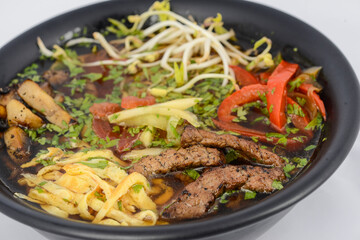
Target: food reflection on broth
column 158, row 121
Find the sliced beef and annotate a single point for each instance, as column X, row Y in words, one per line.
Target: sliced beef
column 197, row 197
column 56, row 77
column 252, row 150
column 173, row 160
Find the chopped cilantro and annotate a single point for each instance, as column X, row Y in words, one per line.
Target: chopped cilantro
column 301, row 101
column 231, row 155
column 288, row 168
column 134, row 130
column 301, row 162
column 76, row 85
column 225, row 196
column 315, row 123
column 101, row 164
column 241, row 114
column 119, row 203
column 249, row 195
column 310, row 147
column 192, row 173
column 39, row 189
column 100, row 196
column 42, row 183
column 93, row 76
column 137, row 188
column 291, row 130
column 277, row 185
column 46, row 162
column 295, row 84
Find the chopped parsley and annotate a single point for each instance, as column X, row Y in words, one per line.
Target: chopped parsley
column 295, row 84
column 192, row 173
column 46, row 162
column 316, row 123
column 102, row 164
column 137, row 188
column 119, row 203
column 231, row 155
column 310, row 147
column 226, row 195
column 287, row 169
column 241, row 113
column 39, row 189
column 277, row 185
column 249, row 195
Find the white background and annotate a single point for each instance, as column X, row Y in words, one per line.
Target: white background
column 333, row 211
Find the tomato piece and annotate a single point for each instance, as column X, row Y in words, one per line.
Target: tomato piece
column 243, row 77
column 310, row 91
column 276, row 95
column 133, row 102
column 100, row 110
column 246, row 94
column 104, row 130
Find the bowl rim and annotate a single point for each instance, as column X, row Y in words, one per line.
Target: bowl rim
column 309, row 181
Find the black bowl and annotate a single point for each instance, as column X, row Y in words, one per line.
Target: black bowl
column 251, row 21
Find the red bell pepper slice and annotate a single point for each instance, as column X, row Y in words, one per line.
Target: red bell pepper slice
column 264, row 77
column 298, row 121
column 276, row 95
column 133, row 102
column 304, row 88
column 243, row 77
column 246, row 94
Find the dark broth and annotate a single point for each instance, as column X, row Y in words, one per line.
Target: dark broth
column 104, row 91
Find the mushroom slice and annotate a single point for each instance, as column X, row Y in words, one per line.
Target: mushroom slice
column 19, row 114
column 38, row 99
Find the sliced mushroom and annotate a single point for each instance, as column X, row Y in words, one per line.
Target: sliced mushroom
column 17, row 144
column 56, row 77
column 33, row 95
column 5, row 98
column 19, row 114
column 3, row 113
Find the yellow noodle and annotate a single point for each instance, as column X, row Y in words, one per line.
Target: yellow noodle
column 55, row 211
column 54, row 200
column 78, row 184
column 109, row 221
column 78, row 169
column 83, row 205
column 142, row 200
column 121, row 189
column 22, row 196
column 50, row 187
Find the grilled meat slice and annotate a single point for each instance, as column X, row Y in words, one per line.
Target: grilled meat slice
column 173, row 160
column 252, row 150
column 198, row 196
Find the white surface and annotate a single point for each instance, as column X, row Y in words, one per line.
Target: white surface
column 332, row 212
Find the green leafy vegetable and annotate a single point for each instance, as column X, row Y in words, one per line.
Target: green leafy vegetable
column 192, row 173
column 100, row 164
column 137, row 188
column 249, row 195
column 277, row 185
